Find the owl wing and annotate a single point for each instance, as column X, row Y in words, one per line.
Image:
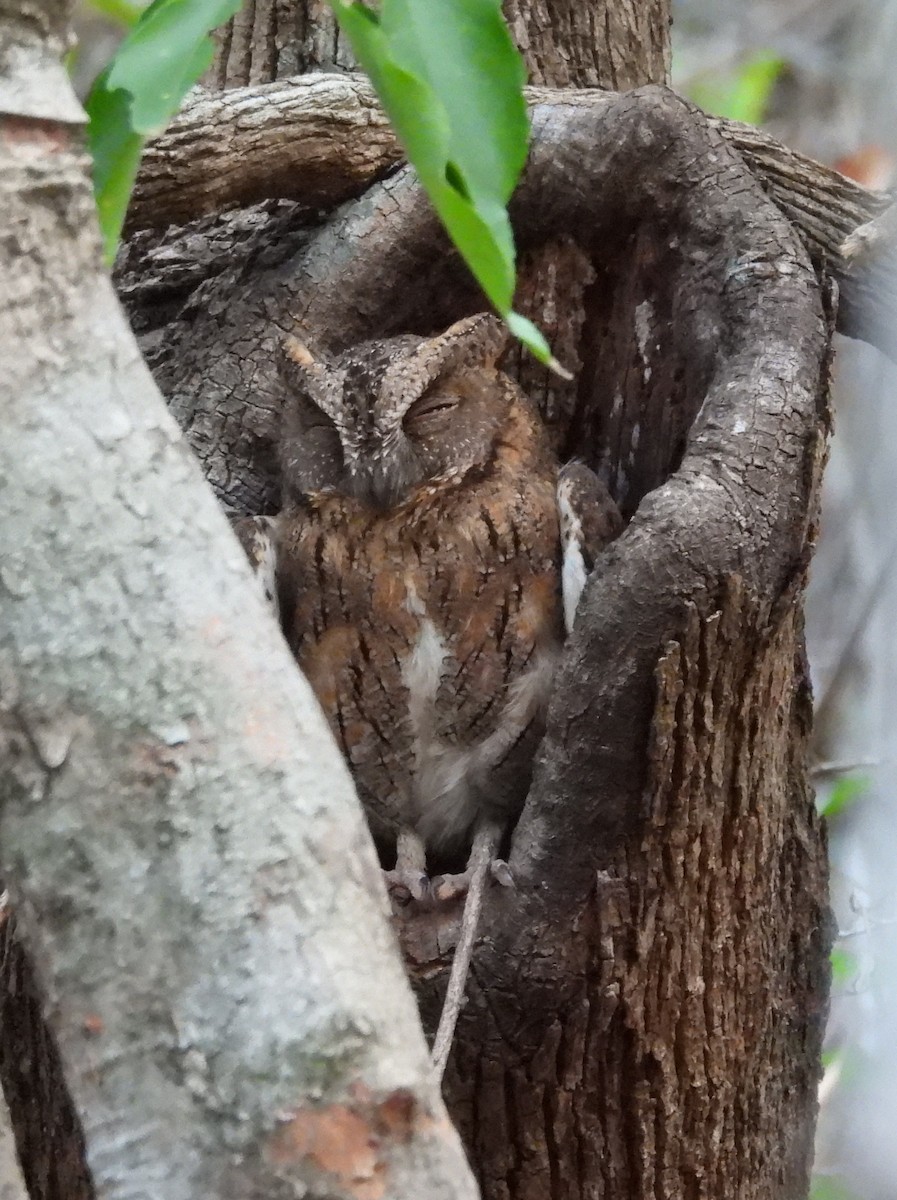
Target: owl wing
column 257, row 536
column 589, row 521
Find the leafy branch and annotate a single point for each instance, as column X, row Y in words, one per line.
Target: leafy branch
column 451, row 81
column 448, row 75
column 164, row 54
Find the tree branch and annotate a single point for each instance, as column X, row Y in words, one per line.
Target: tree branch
column 12, row 1185
column 321, row 139
column 190, row 869
column 732, row 283
column 738, row 303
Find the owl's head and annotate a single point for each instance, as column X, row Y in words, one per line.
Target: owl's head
column 386, row 416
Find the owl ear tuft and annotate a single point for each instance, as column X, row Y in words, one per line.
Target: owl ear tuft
column 471, row 342
column 309, row 377
column 298, row 352
column 474, row 341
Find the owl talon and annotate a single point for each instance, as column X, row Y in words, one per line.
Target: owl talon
column 501, row 872
column 409, row 875
column 449, row 887
column 445, row 888
column 407, row 884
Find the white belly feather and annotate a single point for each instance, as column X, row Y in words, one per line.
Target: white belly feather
column 450, row 780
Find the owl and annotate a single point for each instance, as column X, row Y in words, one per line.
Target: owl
column 426, row 563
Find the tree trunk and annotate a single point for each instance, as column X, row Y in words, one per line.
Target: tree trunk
column 190, row 870
column 614, row 44
column 646, row 1007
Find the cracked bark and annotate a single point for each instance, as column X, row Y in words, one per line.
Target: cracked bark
column 323, row 140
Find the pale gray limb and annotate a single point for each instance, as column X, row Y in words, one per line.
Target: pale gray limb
column 191, row 872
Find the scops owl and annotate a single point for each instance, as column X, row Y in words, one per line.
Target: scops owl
column 427, row 558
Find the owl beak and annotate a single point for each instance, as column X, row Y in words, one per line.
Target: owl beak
column 383, row 473
column 371, row 483
column 383, row 492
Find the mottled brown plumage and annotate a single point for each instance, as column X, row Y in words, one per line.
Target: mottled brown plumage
column 418, row 567
column 429, row 631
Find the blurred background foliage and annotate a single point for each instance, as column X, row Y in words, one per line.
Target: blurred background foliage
column 819, row 75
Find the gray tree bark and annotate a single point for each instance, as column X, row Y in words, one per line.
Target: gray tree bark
column 191, row 873
column 645, row 1011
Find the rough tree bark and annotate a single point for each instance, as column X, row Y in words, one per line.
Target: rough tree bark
column 646, row 1008
column 602, row 43
column 189, row 867
column 323, row 139
column 12, row 1185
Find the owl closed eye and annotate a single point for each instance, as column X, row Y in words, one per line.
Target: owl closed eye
column 431, row 411
column 381, row 419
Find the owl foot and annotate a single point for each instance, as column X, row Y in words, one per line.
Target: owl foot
column 446, row 888
column 409, row 879
column 405, row 885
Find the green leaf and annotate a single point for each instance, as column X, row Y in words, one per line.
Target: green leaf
column 532, row 338
column 844, row 966
column 164, row 55
column 844, row 794
column 450, row 80
column 464, row 51
column 116, row 151
column 122, row 12
column 156, row 65
column 742, row 95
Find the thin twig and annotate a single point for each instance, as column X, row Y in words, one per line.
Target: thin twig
column 824, row 769
column 483, row 852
